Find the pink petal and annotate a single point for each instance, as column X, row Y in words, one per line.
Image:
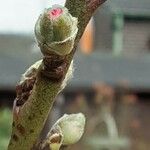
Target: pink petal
column 55, row 13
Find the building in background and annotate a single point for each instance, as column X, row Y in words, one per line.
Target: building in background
column 120, row 49
column 123, row 27
column 119, row 56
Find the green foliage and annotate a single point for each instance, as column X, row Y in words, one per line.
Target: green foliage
column 5, row 127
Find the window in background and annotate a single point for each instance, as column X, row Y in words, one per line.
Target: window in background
column 136, row 35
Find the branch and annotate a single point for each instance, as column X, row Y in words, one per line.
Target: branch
column 83, row 10
column 43, row 81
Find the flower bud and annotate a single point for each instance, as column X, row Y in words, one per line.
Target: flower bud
column 57, row 29
column 71, row 127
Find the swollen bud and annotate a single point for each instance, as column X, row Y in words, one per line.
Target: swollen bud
column 71, row 127
column 56, row 29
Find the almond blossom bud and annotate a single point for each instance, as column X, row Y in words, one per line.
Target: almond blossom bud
column 57, row 29
column 71, row 127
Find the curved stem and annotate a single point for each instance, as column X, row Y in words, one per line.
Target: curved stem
column 32, row 115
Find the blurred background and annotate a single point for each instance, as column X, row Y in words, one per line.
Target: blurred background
column 111, row 83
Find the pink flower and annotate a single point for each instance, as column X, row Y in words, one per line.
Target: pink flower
column 55, row 13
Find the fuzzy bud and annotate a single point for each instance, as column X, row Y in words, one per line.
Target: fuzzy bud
column 57, row 29
column 71, row 127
